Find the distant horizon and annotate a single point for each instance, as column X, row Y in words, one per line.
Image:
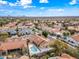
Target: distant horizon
column 39, row 16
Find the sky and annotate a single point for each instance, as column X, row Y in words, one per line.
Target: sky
column 39, row 7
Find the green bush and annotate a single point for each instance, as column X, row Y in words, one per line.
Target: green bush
column 45, row 33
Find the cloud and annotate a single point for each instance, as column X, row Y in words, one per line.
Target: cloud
column 52, row 12
column 29, row 6
column 60, row 10
column 55, row 10
column 14, row 4
column 6, row 11
column 73, row 2
column 11, row 4
column 21, row 3
column 43, row 1
column 42, row 8
column 3, row 2
column 25, row 2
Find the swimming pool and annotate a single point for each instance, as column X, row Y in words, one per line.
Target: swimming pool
column 33, row 49
column 1, row 57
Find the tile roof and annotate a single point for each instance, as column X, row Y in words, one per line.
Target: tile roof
column 55, row 30
column 12, row 45
column 25, row 24
column 76, row 37
column 19, row 42
column 38, row 40
column 11, row 24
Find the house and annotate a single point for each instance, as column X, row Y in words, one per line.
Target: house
column 34, row 50
column 12, row 45
column 25, row 25
column 24, row 31
column 76, row 38
column 38, row 40
column 11, row 24
column 51, row 30
column 71, row 41
column 11, row 31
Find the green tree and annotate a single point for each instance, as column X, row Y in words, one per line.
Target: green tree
column 3, row 36
column 66, row 34
column 77, row 52
column 59, row 46
column 45, row 33
column 73, row 52
column 72, row 32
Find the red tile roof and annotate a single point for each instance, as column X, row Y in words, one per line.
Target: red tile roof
column 12, row 45
column 76, row 37
column 26, row 24
column 56, row 30
column 19, row 43
column 53, row 29
column 38, row 40
column 11, row 24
